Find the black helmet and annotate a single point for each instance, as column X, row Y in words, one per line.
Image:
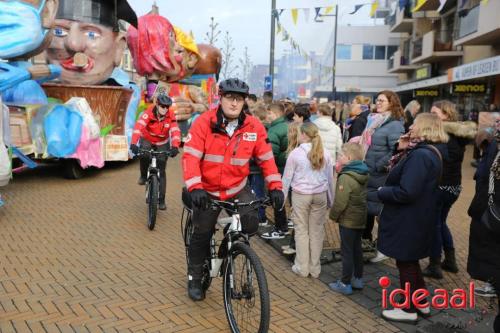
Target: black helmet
column 163, row 99
column 233, row 86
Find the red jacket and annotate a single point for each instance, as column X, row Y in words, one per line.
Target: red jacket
column 156, row 131
column 219, row 164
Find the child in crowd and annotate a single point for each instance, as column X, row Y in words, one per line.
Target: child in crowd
column 277, row 134
column 309, row 171
column 349, row 210
column 293, row 142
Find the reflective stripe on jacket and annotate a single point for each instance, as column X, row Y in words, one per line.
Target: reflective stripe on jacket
column 219, row 164
column 156, row 131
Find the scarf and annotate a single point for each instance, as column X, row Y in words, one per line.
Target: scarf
column 375, row 120
column 402, row 154
column 495, row 167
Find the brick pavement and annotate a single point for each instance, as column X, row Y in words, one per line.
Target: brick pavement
column 76, row 256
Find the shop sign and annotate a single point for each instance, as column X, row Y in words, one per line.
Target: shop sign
column 481, row 68
column 426, row 93
column 423, row 73
column 462, row 88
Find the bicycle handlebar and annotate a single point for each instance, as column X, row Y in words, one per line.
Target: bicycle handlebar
column 152, row 152
column 266, row 201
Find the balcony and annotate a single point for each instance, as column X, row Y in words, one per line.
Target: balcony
column 429, row 49
column 480, row 26
column 400, row 63
column 401, row 21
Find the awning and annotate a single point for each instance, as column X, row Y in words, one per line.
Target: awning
column 423, row 5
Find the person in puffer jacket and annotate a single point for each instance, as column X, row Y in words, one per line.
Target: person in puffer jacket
column 450, row 186
column 329, row 131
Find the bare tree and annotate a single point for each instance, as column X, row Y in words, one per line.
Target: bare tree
column 228, row 49
column 246, row 66
column 212, row 35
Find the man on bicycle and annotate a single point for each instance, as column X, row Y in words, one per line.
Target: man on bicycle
column 156, row 128
column 216, row 158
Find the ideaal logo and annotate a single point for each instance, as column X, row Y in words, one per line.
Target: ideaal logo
column 460, row 298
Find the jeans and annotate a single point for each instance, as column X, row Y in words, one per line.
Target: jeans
column 161, row 164
column 409, row 271
column 352, row 254
column 256, row 182
column 442, row 235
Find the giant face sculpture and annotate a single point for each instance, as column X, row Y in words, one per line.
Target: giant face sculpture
column 24, row 27
column 86, row 43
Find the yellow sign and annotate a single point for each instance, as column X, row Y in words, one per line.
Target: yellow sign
column 469, row 88
column 426, row 93
column 422, row 73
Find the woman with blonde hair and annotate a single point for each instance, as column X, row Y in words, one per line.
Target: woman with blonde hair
column 309, row 172
column 358, row 117
column 460, row 134
column 409, row 196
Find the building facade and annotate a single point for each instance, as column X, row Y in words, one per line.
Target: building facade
column 448, row 50
column 361, row 62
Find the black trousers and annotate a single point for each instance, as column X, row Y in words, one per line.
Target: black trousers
column 409, row 271
column 352, row 254
column 161, row 164
column 204, row 223
column 370, row 222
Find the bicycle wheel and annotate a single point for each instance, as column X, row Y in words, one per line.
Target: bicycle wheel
column 152, row 201
column 246, row 297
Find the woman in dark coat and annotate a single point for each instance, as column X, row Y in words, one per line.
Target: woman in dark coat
column 460, row 134
column 409, row 196
column 360, row 109
column 381, row 134
column 484, row 244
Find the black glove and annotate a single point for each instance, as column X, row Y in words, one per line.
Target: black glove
column 277, row 199
column 174, row 152
column 134, row 149
column 200, row 199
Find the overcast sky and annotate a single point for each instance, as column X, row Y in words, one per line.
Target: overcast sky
column 248, row 22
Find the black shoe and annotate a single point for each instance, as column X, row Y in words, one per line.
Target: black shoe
column 195, row 290
column 434, row 269
column 162, row 206
column 449, row 263
column 141, row 181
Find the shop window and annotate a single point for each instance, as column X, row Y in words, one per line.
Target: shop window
column 343, row 52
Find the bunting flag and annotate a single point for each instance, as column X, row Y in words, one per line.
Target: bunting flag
column 394, row 7
column 402, row 4
column 373, row 10
column 317, row 9
column 278, row 30
column 356, row 8
column 328, row 10
column 306, row 14
column 484, row 2
column 295, row 14
column 286, row 36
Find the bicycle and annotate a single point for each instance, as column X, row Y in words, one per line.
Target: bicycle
column 236, row 262
column 153, row 183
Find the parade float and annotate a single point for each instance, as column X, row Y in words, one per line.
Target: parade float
column 85, row 116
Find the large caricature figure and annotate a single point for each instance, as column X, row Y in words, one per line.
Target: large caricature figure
column 164, row 54
column 87, row 43
column 89, row 46
column 24, row 32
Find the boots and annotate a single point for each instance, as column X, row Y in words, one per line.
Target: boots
column 195, row 289
column 434, row 269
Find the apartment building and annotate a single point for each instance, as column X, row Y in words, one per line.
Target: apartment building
column 447, row 50
column 361, row 62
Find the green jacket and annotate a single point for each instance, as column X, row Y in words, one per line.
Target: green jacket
column 277, row 133
column 349, row 207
